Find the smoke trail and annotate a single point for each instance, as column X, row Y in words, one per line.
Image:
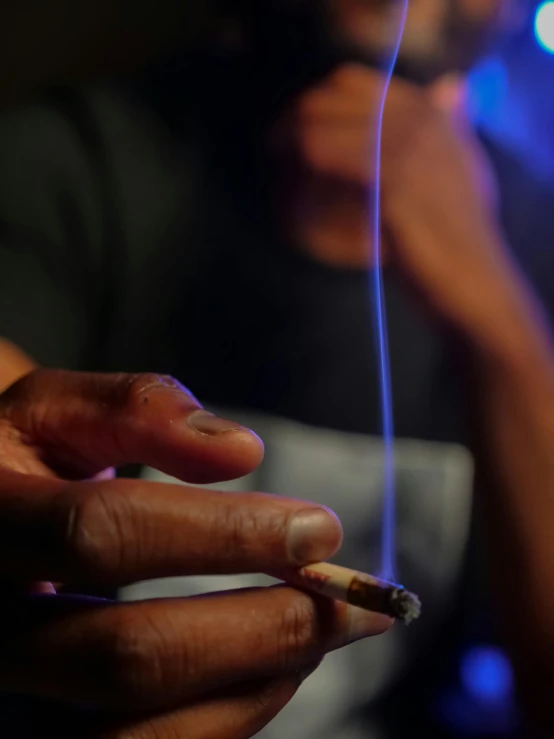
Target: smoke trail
column 388, row 548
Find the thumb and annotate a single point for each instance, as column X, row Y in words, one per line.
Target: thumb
column 85, row 423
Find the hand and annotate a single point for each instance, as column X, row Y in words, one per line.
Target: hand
column 219, row 666
column 438, row 193
column 14, row 363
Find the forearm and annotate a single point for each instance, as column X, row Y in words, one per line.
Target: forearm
column 14, row 363
column 514, row 409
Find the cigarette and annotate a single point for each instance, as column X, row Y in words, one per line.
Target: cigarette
column 359, row 589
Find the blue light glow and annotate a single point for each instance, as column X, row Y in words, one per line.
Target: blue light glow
column 377, row 294
column 488, row 87
column 486, row 675
column 544, row 26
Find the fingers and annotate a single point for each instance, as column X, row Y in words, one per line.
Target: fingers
column 239, row 714
column 161, row 654
column 122, row 531
column 86, row 423
column 14, row 363
column 336, row 124
column 347, row 100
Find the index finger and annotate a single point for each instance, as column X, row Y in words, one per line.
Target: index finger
column 85, row 422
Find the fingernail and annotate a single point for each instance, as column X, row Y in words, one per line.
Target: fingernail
column 362, row 624
column 313, row 534
column 206, row 423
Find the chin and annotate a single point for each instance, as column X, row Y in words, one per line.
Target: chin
column 424, row 65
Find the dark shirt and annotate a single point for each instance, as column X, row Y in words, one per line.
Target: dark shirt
column 136, row 239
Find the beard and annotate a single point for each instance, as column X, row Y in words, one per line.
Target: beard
column 458, row 42
column 440, row 35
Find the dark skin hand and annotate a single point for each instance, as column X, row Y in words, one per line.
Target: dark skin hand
column 219, row 666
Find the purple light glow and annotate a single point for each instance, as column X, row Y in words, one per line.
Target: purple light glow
column 388, row 546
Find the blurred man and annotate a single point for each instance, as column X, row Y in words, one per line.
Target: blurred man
column 441, row 36
column 165, row 228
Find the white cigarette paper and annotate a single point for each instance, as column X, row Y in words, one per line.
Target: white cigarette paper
column 359, row 589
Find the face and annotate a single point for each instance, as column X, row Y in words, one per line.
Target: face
column 440, row 35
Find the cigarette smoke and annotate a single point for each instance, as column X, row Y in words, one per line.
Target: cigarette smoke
column 378, row 308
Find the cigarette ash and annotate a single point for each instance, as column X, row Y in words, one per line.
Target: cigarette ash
column 405, row 605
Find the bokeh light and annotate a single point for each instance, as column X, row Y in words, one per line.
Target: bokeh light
column 544, row 26
column 486, row 674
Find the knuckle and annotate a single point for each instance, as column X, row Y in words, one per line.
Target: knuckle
column 227, row 529
column 240, row 532
column 237, row 526
column 137, row 652
column 97, row 526
column 297, row 638
column 35, row 384
column 133, row 390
